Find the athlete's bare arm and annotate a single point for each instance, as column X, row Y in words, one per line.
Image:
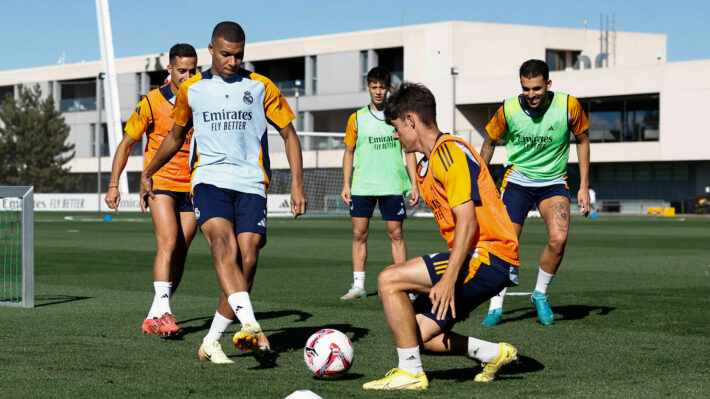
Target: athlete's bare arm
column 583, row 158
column 442, row 293
column 348, row 156
column 487, row 149
column 411, row 159
column 168, row 148
column 113, row 196
column 295, row 161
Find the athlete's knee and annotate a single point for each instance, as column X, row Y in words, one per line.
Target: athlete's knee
column 249, row 258
column 396, row 235
column 557, row 242
column 360, row 235
column 222, row 245
column 167, row 244
column 387, row 280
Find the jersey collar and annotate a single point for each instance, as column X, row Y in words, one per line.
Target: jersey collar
column 535, row 113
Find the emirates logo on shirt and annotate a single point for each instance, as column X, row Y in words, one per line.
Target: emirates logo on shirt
column 248, row 99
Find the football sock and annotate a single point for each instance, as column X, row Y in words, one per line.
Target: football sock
column 410, row 360
column 161, row 300
column 359, row 280
column 218, row 327
column 543, row 280
column 241, row 305
column 497, row 301
column 483, row 351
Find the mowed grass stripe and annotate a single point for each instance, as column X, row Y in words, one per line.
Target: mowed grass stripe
column 630, row 300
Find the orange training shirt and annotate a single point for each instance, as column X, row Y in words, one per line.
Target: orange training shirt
column 454, row 174
column 152, row 116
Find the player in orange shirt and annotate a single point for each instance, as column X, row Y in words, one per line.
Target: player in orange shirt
column 171, row 209
column 483, row 250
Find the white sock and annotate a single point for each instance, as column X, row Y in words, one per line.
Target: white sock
column 241, row 305
column 543, row 280
column 483, row 351
column 161, row 300
column 359, row 280
column 497, row 301
column 218, row 327
column 410, row 360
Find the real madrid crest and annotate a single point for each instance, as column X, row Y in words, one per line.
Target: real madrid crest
column 248, row 99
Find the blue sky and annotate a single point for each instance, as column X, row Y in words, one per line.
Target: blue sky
column 37, row 32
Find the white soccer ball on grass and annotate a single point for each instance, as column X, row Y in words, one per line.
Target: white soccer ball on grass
column 328, row 353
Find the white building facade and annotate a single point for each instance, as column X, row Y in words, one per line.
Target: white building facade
column 648, row 136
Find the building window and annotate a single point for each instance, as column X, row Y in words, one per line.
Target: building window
column 393, row 60
column 287, row 74
column 364, row 59
column 315, row 74
column 78, row 95
column 559, row 60
column 623, row 118
column 103, row 145
column 157, row 79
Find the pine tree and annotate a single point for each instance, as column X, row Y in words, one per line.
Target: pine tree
column 33, row 148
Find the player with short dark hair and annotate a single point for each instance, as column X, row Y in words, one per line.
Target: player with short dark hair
column 230, row 108
column 171, row 206
column 373, row 158
column 482, row 258
column 536, row 127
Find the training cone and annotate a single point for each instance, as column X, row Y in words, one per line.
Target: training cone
column 594, row 216
column 108, row 218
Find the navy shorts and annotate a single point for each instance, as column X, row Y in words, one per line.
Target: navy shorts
column 518, row 200
column 489, row 279
column 391, row 206
column 246, row 211
column 183, row 200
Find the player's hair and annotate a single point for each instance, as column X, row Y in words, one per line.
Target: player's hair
column 411, row 97
column 182, row 50
column 380, row 74
column 229, row 31
column 534, row 68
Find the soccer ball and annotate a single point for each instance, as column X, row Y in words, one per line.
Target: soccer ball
column 328, row 353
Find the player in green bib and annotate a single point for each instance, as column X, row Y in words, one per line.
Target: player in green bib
column 536, row 127
column 373, row 159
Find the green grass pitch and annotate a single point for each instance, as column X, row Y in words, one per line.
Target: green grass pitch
column 632, row 304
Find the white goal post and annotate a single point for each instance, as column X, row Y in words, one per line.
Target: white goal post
column 17, row 246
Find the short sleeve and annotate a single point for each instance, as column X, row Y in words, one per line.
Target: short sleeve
column 182, row 113
column 497, row 127
column 578, row 122
column 140, row 120
column 276, row 108
column 351, row 131
column 457, row 170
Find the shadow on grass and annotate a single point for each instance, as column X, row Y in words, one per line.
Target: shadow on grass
column 567, row 313
column 292, row 339
column 345, row 377
column 523, row 365
column 207, row 321
column 47, row 300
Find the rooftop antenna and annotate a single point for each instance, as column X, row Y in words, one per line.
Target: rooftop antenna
column 63, row 58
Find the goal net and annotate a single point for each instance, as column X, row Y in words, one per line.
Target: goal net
column 17, row 246
column 322, row 176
